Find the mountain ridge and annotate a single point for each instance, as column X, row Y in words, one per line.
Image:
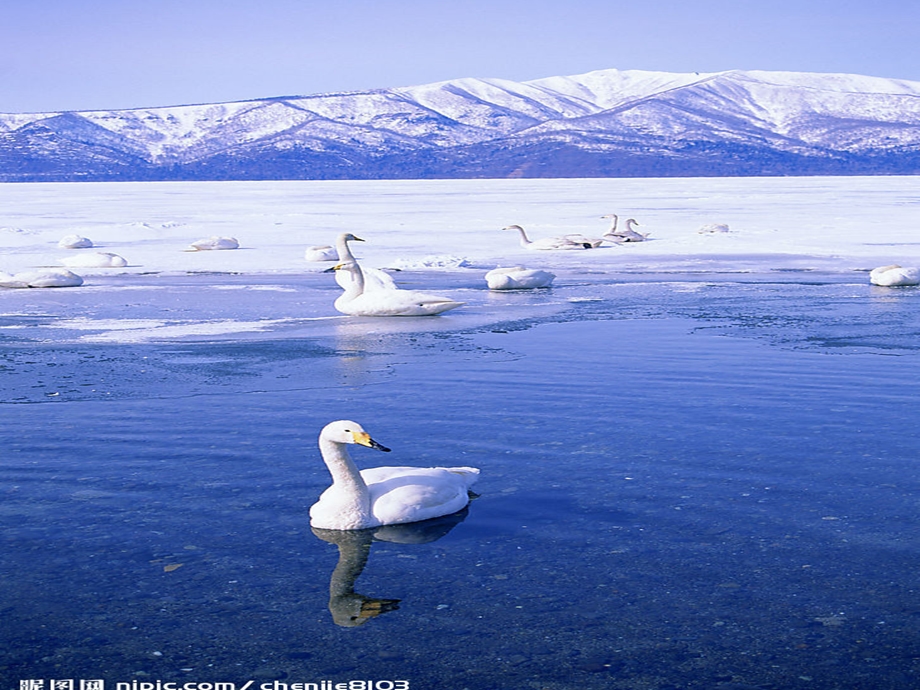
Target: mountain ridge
column 598, row 124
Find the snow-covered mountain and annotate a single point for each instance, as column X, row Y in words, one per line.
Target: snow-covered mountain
column 604, row 123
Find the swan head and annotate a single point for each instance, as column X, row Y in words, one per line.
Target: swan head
column 513, row 227
column 348, row 237
column 346, row 431
column 610, row 215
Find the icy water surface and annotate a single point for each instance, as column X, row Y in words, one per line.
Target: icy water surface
column 685, row 484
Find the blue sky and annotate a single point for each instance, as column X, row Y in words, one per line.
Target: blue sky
column 109, row 54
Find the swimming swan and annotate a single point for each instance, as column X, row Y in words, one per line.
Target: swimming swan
column 547, row 243
column 382, row 495
column 894, row 276
column 356, row 301
column 374, row 278
column 518, row 278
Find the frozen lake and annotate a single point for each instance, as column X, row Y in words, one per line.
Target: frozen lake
column 698, row 453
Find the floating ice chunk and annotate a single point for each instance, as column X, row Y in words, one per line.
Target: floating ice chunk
column 55, row 277
column 95, row 260
column 74, row 242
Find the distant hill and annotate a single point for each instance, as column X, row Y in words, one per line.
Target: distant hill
column 608, row 123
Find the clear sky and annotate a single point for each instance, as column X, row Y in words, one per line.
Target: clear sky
column 110, row 54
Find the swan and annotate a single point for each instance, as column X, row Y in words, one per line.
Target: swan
column 382, row 495
column 627, row 235
column 95, row 260
column 74, row 242
column 212, row 243
column 374, row 278
column 321, row 253
column 547, row 243
column 713, row 229
column 357, row 301
column 56, row 277
column 894, row 276
column 518, row 278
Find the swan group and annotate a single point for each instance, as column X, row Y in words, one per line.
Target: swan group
column 382, row 495
column 619, row 236
column 373, row 292
column 549, row 243
column 894, row 275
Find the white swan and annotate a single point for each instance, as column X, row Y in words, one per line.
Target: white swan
column 894, row 276
column 547, row 243
column 74, row 242
column 356, row 301
column 374, row 278
column 213, row 243
column 627, row 235
column 382, row 495
column 713, row 229
column 518, row 278
column 55, row 277
column 95, row 260
column 321, row 253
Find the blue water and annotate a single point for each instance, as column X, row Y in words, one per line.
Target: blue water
column 685, row 484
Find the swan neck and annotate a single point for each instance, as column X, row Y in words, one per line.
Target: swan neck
column 341, row 245
column 344, row 473
column 613, row 225
column 524, row 239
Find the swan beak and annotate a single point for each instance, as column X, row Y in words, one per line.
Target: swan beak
column 362, row 438
column 356, row 239
column 337, row 267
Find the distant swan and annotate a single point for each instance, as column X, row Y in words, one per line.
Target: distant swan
column 213, row 243
column 621, row 236
column 518, row 278
column 374, row 278
column 321, row 253
column 50, row 278
column 74, row 242
column 713, row 229
column 547, row 243
column 386, row 302
column 894, row 276
column 95, row 260
column 382, row 495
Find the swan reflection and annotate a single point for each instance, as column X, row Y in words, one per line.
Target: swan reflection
column 350, row 609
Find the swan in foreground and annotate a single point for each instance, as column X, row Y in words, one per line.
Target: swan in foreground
column 74, row 242
column 374, row 278
column 628, row 234
column 547, row 243
column 321, row 253
column 213, row 243
column 55, row 277
column 95, row 260
column 357, row 301
column 382, row 495
column 894, row 276
column 518, row 278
